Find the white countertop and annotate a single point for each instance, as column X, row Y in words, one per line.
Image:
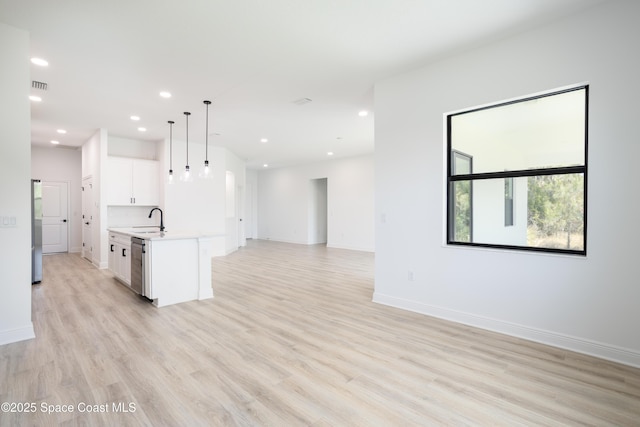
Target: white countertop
column 153, row 233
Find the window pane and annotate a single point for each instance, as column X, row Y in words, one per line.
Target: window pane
column 461, row 209
column 488, row 215
column 539, row 133
column 462, row 163
column 555, row 216
column 508, row 202
column 546, row 212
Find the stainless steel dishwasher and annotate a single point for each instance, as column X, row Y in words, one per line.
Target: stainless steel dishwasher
column 137, row 265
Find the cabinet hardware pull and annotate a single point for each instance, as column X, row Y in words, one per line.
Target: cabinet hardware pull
column 123, row 251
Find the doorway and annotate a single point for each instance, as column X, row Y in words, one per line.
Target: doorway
column 242, row 239
column 55, row 209
column 318, row 207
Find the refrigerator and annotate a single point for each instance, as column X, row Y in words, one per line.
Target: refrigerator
column 36, row 231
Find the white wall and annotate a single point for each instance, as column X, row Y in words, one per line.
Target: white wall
column 125, row 147
column 201, row 205
column 94, row 165
column 59, row 164
column 589, row 304
column 15, row 190
column 236, row 166
column 283, row 202
column 251, row 204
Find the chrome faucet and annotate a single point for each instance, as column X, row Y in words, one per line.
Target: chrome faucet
column 161, row 218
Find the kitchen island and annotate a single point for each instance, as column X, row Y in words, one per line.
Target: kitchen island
column 174, row 267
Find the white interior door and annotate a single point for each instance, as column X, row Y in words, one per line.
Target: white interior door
column 55, row 226
column 242, row 239
column 87, row 219
column 249, row 222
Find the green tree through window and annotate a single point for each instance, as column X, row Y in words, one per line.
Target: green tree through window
column 556, row 211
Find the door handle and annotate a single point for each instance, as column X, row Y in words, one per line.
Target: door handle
column 64, row 220
column 86, row 223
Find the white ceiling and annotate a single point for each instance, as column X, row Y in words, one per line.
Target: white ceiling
column 108, row 60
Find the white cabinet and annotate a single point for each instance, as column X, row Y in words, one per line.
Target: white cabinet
column 132, row 182
column 120, row 257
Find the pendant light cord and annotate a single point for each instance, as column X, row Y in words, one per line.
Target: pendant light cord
column 206, row 134
column 187, row 114
column 171, row 145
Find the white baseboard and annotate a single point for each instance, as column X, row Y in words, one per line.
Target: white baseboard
column 19, row 334
column 206, row 293
column 329, row 245
column 567, row 342
column 350, row 248
column 279, row 240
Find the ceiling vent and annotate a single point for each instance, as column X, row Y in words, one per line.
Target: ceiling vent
column 302, row 101
column 39, row 85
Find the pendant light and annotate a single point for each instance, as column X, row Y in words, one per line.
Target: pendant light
column 186, row 176
column 171, row 122
column 205, row 173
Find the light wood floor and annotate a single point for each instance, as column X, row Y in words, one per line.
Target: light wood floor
column 291, row 339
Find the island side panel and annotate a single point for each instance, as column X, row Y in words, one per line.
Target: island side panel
column 175, row 271
column 205, row 286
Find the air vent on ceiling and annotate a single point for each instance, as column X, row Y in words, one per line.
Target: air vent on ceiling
column 66, row 147
column 39, row 85
column 302, row 101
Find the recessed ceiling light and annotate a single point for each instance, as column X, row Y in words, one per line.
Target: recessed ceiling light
column 61, row 131
column 265, row 165
column 142, row 129
column 53, row 141
column 263, row 140
column 135, row 118
column 330, row 153
column 35, row 98
column 363, row 113
column 165, row 94
column 39, row 61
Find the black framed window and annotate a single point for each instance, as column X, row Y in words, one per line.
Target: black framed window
column 517, row 174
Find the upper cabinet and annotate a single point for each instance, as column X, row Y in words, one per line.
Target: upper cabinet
column 132, row 182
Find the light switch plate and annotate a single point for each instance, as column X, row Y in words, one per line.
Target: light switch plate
column 7, row 221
